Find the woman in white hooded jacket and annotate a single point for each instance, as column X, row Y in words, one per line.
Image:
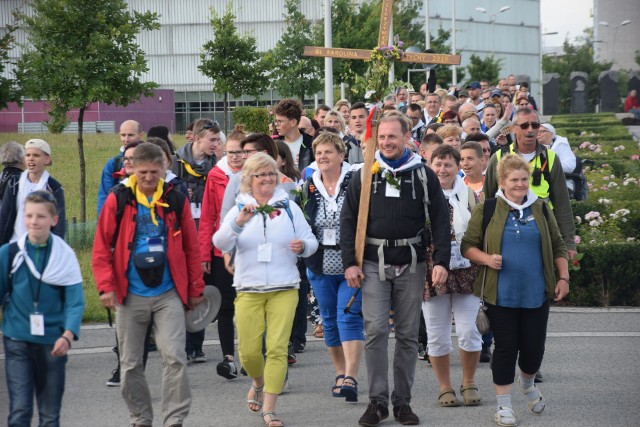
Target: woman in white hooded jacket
column 269, row 234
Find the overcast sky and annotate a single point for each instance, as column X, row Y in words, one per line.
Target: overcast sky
column 567, row 17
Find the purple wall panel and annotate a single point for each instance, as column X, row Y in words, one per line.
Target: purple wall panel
column 158, row 109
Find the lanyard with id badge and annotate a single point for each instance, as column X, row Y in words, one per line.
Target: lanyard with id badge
column 330, row 234
column 36, row 319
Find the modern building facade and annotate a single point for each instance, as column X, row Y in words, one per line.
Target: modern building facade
column 616, row 26
column 510, row 29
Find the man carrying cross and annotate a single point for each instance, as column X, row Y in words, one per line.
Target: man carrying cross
column 393, row 271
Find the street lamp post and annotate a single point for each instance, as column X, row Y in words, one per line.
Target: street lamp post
column 493, row 23
column 540, row 91
column 615, row 33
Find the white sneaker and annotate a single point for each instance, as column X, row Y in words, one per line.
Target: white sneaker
column 505, row 417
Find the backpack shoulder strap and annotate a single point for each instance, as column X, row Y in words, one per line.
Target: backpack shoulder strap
column 13, row 251
column 487, row 212
column 422, row 176
column 175, row 200
column 124, row 196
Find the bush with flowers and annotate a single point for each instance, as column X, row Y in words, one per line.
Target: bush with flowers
column 608, row 223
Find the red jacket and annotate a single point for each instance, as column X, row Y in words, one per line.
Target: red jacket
column 210, row 219
column 630, row 102
column 183, row 253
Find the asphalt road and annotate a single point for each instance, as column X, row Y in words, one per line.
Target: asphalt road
column 591, row 370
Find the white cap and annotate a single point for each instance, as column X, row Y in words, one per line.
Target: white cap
column 550, row 128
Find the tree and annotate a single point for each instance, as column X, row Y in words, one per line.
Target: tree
column 8, row 89
column 576, row 57
column 356, row 25
column 484, row 69
column 232, row 61
column 294, row 74
column 81, row 52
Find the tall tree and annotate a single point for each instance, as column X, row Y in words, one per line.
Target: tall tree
column 577, row 56
column 80, row 52
column 292, row 73
column 8, row 89
column 484, row 69
column 232, row 61
column 355, row 25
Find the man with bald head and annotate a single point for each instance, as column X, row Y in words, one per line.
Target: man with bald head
column 130, row 131
column 470, row 126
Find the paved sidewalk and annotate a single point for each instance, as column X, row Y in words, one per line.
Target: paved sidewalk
column 591, row 369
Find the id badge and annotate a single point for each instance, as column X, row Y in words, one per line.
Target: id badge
column 392, row 191
column 264, row 252
column 156, row 244
column 37, row 324
column 195, row 210
column 329, row 236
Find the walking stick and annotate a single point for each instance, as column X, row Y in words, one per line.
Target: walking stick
column 365, row 196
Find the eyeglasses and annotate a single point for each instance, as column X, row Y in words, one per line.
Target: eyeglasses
column 211, row 125
column 415, row 119
column 248, row 152
column 233, row 153
column 525, row 126
column 127, row 159
column 279, row 122
column 264, row 175
column 486, row 150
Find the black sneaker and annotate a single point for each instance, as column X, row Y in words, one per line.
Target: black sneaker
column 299, row 347
column 198, row 356
column 539, row 377
column 243, row 372
column 422, row 352
column 227, row 368
column 114, row 381
column 375, row 413
column 291, row 355
column 485, row 354
column 405, row 416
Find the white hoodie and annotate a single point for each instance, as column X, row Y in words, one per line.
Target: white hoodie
column 281, row 272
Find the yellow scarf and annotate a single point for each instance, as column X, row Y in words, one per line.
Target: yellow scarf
column 190, row 170
column 142, row 199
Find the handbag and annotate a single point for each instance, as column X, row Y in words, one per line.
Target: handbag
column 150, row 267
column 482, row 320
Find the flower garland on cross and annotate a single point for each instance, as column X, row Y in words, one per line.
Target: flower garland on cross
column 375, row 81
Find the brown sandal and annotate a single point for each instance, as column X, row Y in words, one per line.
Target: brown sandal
column 448, row 398
column 470, row 394
column 318, row 332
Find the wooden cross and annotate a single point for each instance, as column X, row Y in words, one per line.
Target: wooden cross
column 362, row 54
column 383, row 40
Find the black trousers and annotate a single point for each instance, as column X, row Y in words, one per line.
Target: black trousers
column 519, row 335
column 221, row 279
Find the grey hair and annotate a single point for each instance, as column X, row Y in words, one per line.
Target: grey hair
column 12, row 154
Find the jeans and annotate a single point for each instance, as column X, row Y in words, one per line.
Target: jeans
column 30, row 368
column 333, row 295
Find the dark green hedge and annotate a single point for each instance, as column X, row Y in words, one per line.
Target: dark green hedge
column 609, row 275
column 254, row 119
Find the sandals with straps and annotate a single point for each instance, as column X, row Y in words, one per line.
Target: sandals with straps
column 273, row 420
column 505, row 417
column 536, row 406
column 349, row 389
column 255, row 401
column 335, row 390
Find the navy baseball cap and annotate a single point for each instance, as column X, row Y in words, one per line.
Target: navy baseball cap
column 474, row 85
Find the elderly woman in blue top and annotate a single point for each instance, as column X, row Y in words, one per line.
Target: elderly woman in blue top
column 324, row 193
column 42, row 312
column 268, row 234
column 522, row 236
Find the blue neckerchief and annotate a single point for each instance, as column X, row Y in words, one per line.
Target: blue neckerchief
column 395, row 164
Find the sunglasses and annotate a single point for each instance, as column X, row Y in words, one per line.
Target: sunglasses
column 525, row 126
column 41, row 194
